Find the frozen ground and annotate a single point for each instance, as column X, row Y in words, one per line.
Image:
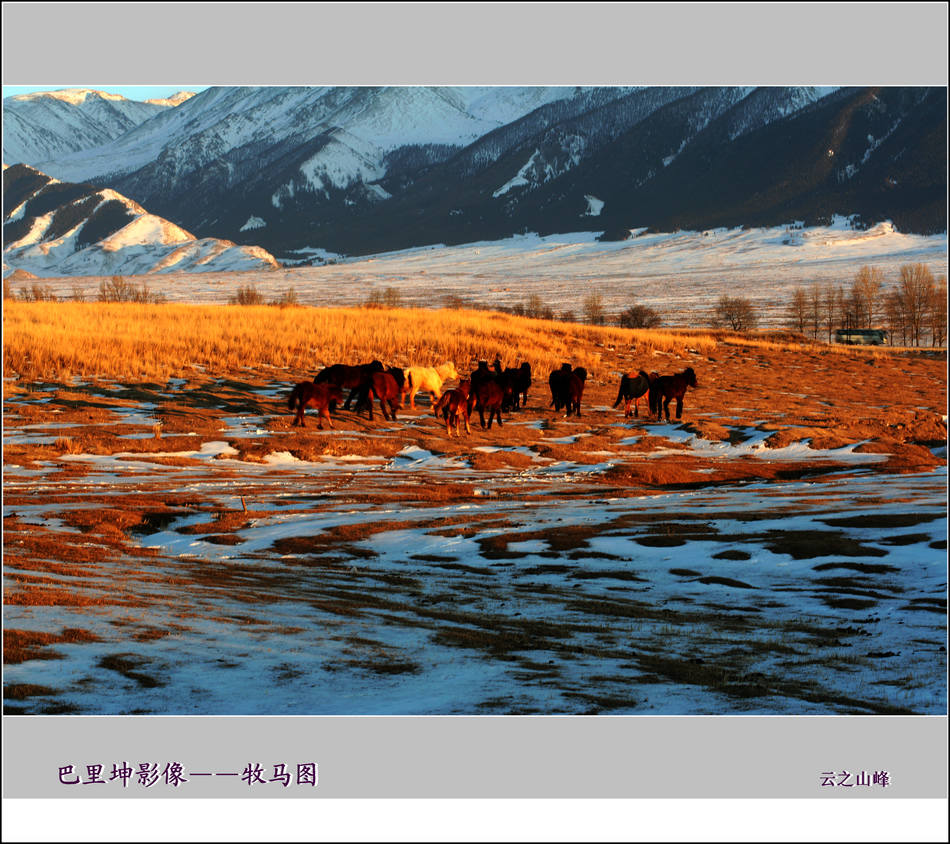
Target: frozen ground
column 396, row 576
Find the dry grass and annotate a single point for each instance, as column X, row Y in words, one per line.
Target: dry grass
column 21, row 645
column 62, row 339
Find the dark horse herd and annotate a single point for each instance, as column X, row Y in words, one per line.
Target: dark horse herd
column 490, row 390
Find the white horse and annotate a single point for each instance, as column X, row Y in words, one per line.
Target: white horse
column 429, row 379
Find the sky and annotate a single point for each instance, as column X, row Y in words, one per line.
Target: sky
column 131, row 92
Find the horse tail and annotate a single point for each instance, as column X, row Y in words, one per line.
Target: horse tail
column 623, row 383
column 294, row 395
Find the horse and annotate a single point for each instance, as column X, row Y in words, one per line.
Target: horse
column 558, row 382
column 518, row 380
column 346, row 377
column 482, row 373
column 386, row 387
column 668, row 387
column 486, row 395
column 632, row 389
column 575, row 390
column 453, row 405
column 320, row 396
column 428, row 378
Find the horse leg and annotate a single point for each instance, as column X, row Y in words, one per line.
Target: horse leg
column 393, row 405
column 666, row 407
column 679, row 407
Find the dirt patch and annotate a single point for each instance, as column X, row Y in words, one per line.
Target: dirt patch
column 21, row 645
column 127, row 665
column 803, row 545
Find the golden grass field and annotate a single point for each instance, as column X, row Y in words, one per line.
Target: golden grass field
column 45, row 339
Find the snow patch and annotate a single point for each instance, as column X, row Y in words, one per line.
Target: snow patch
column 594, row 206
column 253, row 223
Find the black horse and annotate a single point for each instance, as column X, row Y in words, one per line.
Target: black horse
column 567, row 388
column 518, row 380
column 632, row 389
column 558, row 381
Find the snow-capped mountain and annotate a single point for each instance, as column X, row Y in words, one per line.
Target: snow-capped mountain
column 359, row 170
column 54, row 228
column 45, row 125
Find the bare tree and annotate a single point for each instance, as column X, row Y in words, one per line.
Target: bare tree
column 814, row 309
column 534, row 307
column 832, row 306
column 938, row 313
column 866, row 295
column 735, row 313
column 916, row 290
column 594, row 309
column 798, row 310
column 895, row 315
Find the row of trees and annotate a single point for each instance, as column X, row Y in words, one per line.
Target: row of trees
column 914, row 310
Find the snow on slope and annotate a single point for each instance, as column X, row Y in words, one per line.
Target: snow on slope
column 145, row 244
column 51, row 124
column 219, row 120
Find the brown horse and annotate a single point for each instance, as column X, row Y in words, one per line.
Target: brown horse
column 632, row 389
column 575, row 390
column 319, row 396
column 669, row 387
column 386, row 387
column 453, row 405
column 346, row 377
column 486, row 395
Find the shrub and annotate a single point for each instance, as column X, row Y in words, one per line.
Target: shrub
column 639, row 316
column 116, row 289
column 288, row 299
column 247, row 296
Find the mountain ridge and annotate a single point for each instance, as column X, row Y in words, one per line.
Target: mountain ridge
column 363, row 170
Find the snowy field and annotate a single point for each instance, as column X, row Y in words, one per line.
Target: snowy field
column 350, row 584
column 679, row 274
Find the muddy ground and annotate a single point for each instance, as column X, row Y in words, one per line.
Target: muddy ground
column 181, row 548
